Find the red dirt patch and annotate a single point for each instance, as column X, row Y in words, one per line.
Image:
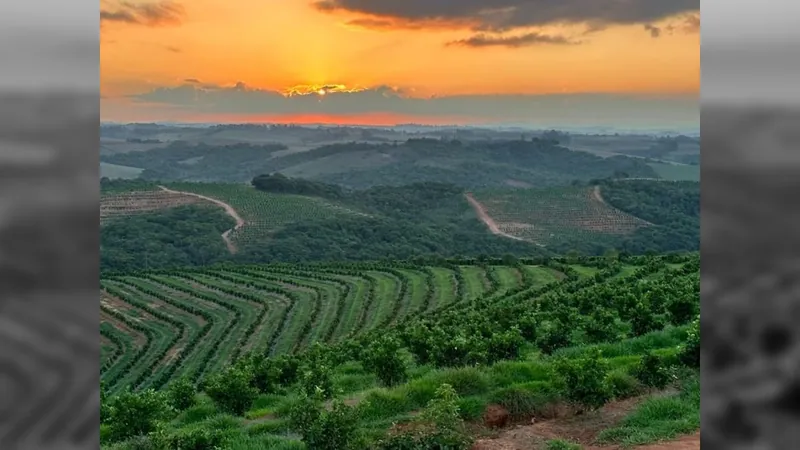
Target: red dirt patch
column 579, row 428
column 496, row 416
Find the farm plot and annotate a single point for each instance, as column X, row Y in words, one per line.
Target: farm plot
column 546, row 216
column 161, row 325
column 141, row 202
column 263, row 212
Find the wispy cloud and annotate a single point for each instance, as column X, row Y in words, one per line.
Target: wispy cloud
column 524, row 40
column 151, row 14
column 653, row 30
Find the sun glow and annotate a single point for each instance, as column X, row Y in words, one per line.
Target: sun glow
column 319, row 89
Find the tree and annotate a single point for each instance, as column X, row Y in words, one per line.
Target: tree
column 232, row 390
column 583, row 380
column 137, row 413
column 324, row 430
column 383, row 358
column 317, row 380
column 682, row 309
column 181, row 394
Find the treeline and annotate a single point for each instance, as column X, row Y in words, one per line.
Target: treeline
column 176, row 237
column 672, row 207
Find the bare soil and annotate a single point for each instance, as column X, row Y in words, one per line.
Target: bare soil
column 485, row 218
column 582, row 429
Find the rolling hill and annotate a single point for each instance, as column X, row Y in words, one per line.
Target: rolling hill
column 237, row 349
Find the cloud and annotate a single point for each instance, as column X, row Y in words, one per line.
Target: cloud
column 191, row 80
column 691, row 23
column 525, row 40
column 154, row 14
column 241, row 100
column 504, row 15
column 654, row 30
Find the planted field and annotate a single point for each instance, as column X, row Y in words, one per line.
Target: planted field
column 546, row 216
column 541, row 339
column 161, row 325
column 142, row 202
column 264, row 212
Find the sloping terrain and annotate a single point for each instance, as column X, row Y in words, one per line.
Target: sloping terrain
column 545, row 216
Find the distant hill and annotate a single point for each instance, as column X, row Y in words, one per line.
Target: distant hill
column 472, row 164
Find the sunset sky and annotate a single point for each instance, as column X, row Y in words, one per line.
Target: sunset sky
column 387, row 61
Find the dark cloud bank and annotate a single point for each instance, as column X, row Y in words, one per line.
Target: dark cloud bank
column 500, row 16
column 198, row 98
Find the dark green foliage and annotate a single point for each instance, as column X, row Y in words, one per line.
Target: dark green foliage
column 552, row 336
column 383, row 358
column 280, row 184
column 690, row 352
column 682, row 310
column 175, row 237
column 320, row 429
column 181, row 394
column 232, row 390
column 583, row 380
column 673, row 208
column 623, row 385
column 137, row 413
column 316, row 380
column 653, row 371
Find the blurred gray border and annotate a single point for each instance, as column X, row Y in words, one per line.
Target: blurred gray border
column 750, row 172
column 49, row 225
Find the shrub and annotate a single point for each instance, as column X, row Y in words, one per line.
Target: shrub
column 383, row 358
column 439, row 427
column 325, row 430
column 689, row 352
column 317, row 380
column 181, row 394
column 652, row 371
column 232, row 390
column 623, row 385
column 583, row 380
column 137, row 413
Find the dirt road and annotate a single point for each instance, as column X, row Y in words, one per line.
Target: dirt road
column 228, row 209
column 485, row 218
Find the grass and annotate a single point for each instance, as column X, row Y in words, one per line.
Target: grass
column 659, row 418
column 560, row 444
column 677, row 172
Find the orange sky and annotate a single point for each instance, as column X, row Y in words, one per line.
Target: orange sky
column 276, row 44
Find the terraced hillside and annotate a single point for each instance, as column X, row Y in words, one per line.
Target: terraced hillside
column 556, row 215
column 508, row 336
column 142, row 201
column 160, row 325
